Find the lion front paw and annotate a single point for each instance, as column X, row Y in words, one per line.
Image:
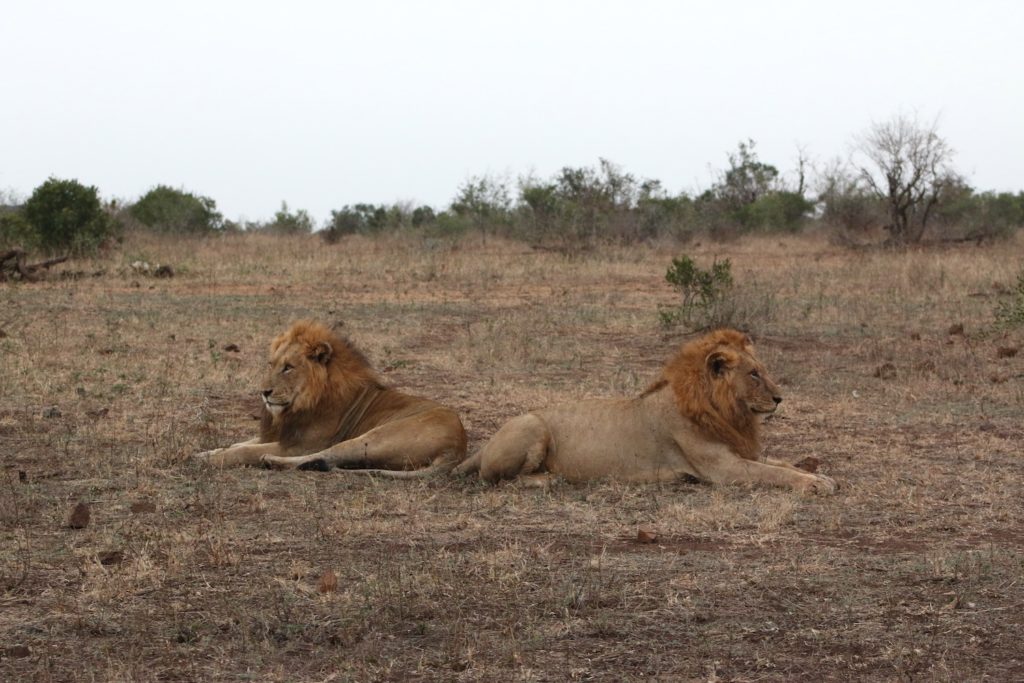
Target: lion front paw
column 820, row 485
column 207, row 455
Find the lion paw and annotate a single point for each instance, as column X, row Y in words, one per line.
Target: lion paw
column 821, row 485
column 206, row 455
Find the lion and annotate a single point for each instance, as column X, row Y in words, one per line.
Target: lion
column 324, row 407
column 700, row 418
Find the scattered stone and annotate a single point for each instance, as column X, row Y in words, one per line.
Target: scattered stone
column 3, row 335
column 98, row 413
column 22, row 475
column 232, row 348
column 109, row 557
column 916, row 336
column 808, row 464
column 163, row 271
column 956, row 330
column 16, row 651
column 886, row 371
column 142, row 506
column 79, row 518
column 51, row 412
column 646, row 535
column 80, row 391
column 328, row 582
column 1006, row 351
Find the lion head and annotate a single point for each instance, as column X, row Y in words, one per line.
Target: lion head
column 310, row 367
column 723, row 388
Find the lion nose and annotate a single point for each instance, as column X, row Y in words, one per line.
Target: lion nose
column 777, row 399
column 267, row 393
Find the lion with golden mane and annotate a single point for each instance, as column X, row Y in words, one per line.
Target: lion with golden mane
column 324, row 407
column 700, row 418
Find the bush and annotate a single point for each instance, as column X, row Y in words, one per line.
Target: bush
column 702, row 291
column 1011, row 313
column 167, row 210
column 67, row 216
column 15, row 230
column 778, row 211
column 286, row 223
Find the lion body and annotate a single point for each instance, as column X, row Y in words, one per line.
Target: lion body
column 700, row 418
column 325, row 407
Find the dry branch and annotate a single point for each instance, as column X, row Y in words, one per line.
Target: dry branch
column 13, row 263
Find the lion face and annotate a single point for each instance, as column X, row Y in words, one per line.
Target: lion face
column 297, row 375
column 740, row 374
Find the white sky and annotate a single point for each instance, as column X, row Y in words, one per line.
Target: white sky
column 330, row 103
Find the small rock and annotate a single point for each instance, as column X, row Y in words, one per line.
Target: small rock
column 79, row 518
column 51, row 412
column 916, row 336
column 97, row 414
column 16, row 651
column 1006, row 351
column 142, row 506
column 3, row 335
column 886, row 371
column 109, row 557
column 956, row 330
column 646, row 535
column 164, row 271
column 808, row 464
column 232, row 348
column 80, row 391
column 22, row 475
column 328, row 582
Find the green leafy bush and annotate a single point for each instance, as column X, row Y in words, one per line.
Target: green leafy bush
column 1011, row 313
column 168, row 210
column 702, row 290
column 67, row 216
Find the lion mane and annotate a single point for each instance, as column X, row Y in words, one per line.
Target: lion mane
column 701, row 417
column 325, row 406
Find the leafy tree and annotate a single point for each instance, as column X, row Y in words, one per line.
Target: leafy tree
column 290, row 223
column 67, row 216
column 168, row 210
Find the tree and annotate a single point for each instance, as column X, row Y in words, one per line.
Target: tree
column 165, row 209
column 907, row 165
column 67, row 216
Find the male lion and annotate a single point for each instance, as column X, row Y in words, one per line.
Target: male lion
column 701, row 418
column 324, row 406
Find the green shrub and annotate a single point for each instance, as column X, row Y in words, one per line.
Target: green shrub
column 67, row 216
column 287, row 222
column 702, row 291
column 1011, row 313
column 167, row 210
column 15, row 230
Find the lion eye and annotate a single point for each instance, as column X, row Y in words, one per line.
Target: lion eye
column 286, row 369
column 755, row 375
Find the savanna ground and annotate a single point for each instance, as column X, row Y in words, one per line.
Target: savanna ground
column 913, row 571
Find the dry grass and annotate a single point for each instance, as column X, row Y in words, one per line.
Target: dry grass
column 915, row 570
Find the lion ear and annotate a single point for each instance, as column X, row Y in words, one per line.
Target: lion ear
column 321, row 352
column 718, row 362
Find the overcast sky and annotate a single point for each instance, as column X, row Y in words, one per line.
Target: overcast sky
column 324, row 104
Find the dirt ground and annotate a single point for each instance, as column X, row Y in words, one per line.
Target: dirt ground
column 895, row 377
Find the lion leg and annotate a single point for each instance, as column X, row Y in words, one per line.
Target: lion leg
column 518, row 448
column 725, row 467
column 245, row 454
column 434, row 438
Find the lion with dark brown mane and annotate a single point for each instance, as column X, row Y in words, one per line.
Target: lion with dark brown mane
column 324, row 407
column 701, row 418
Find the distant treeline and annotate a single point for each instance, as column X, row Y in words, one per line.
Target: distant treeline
column 579, row 205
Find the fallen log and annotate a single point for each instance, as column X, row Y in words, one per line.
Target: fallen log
column 13, row 262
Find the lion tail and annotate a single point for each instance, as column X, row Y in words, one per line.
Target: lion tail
column 469, row 465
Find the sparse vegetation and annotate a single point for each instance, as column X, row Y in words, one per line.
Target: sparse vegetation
column 912, row 571
column 702, row 291
column 1011, row 313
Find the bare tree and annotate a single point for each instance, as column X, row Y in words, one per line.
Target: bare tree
column 907, row 166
